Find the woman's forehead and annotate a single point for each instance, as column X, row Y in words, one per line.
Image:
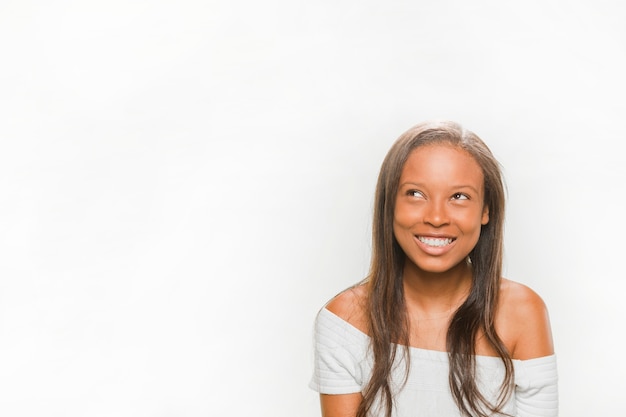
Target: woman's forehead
column 441, row 160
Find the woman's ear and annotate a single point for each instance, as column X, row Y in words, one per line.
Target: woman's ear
column 485, row 219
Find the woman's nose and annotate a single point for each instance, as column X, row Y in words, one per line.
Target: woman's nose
column 436, row 214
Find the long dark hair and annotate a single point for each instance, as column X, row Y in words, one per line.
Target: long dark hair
column 387, row 319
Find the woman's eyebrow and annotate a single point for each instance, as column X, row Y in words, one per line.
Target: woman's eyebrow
column 455, row 187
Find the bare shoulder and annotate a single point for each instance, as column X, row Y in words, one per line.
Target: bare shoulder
column 523, row 321
column 520, row 298
column 350, row 305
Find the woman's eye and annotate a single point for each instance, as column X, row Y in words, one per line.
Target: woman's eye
column 460, row 196
column 415, row 193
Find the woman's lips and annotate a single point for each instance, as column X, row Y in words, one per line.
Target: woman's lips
column 434, row 245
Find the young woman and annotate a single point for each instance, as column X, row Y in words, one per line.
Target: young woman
column 434, row 330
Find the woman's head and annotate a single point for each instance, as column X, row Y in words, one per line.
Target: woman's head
column 487, row 254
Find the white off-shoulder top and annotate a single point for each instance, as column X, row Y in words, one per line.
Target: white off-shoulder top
column 343, row 365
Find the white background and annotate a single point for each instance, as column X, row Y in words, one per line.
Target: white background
column 184, row 183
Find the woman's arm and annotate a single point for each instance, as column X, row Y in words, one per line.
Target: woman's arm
column 524, row 326
column 336, row 354
column 523, row 322
column 344, row 405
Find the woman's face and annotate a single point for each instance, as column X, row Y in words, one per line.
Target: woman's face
column 439, row 207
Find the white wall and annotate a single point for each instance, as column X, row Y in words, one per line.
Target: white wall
column 184, row 183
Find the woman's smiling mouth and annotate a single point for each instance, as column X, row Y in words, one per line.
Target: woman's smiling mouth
column 437, row 242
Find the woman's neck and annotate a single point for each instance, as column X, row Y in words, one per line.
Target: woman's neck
column 435, row 294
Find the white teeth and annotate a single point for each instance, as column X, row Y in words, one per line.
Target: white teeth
column 434, row 241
